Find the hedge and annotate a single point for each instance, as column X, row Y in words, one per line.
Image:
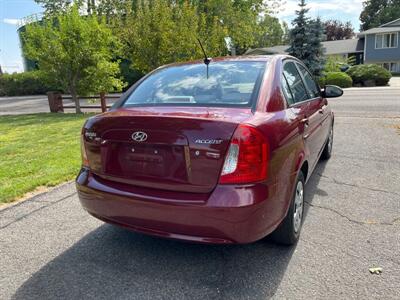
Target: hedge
column 338, row 78
column 365, row 74
column 27, row 83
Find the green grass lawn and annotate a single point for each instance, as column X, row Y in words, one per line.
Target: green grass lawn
column 38, row 150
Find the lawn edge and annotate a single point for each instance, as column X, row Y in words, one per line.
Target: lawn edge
column 30, row 196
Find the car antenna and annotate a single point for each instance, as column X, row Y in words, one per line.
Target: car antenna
column 207, row 59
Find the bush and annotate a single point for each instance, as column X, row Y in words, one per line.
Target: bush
column 336, row 63
column 27, row 83
column 321, row 81
column 361, row 74
column 338, row 78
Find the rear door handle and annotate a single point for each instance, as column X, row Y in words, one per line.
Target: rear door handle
column 321, row 111
column 304, row 121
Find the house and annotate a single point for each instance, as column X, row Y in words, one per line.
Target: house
column 379, row 45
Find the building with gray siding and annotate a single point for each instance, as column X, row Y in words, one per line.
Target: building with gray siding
column 379, row 45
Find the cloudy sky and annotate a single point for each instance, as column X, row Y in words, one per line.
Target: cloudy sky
column 11, row 11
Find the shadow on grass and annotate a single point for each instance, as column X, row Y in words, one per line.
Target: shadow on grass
column 112, row 263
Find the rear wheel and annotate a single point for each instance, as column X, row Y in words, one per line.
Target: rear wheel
column 288, row 231
column 327, row 152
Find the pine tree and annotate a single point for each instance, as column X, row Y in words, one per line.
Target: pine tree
column 298, row 35
column 314, row 56
column 305, row 40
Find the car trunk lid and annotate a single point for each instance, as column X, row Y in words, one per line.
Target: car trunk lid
column 181, row 149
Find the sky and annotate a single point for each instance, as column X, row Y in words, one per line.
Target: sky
column 12, row 11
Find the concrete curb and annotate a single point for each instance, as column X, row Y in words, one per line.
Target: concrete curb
column 372, row 88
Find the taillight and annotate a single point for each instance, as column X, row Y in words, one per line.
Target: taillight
column 247, row 157
column 85, row 161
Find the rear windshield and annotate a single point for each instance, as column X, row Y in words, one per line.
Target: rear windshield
column 226, row 84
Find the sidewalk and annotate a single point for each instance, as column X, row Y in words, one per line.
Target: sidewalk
column 395, row 82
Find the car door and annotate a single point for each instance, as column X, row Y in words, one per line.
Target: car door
column 296, row 95
column 304, row 107
column 318, row 111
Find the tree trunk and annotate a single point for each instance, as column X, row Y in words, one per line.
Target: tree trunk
column 76, row 100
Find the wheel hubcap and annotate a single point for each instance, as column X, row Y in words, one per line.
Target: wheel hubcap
column 298, row 206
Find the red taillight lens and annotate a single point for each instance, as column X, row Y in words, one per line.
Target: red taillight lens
column 85, row 161
column 247, row 157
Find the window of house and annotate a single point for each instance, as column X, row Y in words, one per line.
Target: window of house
column 387, row 40
column 391, row 66
column 394, row 67
column 386, row 66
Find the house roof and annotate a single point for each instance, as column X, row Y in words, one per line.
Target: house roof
column 392, row 23
column 343, row 46
column 330, row 48
column 380, row 30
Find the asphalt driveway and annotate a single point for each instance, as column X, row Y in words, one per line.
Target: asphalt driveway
column 51, row 249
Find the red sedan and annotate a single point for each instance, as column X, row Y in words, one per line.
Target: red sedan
column 212, row 153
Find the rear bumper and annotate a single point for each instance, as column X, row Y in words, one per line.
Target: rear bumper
column 230, row 214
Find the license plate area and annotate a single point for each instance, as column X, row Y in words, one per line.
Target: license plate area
column 131, row 160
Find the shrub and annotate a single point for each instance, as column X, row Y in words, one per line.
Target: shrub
column 336, row 63
column 363, row 73
column 27, row 83
column 338, row 78
column 321, row 81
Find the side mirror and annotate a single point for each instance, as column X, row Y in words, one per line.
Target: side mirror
column 332, row 91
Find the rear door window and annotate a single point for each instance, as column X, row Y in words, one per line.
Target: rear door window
column 295, row 82
column 286, row 90
column 311, row 85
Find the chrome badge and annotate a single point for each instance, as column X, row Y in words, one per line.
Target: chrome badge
column 212, row 142
column 139, row 136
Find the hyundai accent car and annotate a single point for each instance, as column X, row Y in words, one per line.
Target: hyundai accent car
column 211, row 153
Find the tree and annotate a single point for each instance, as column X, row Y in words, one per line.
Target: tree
column 286, row 33
column 337, row 30
column 52, row 7
column 378, row 12
column 298, row 34
column 270, row 32
column 75, row 53
column 314, row 58
column 156, row 32
column 305, row 40
column 159, row 32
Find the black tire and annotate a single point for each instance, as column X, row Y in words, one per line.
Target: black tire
column 286, row 232
column 327, row 152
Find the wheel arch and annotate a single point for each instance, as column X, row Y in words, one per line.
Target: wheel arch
column 305, row 169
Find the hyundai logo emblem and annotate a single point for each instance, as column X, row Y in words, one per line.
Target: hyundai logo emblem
column 139, row 136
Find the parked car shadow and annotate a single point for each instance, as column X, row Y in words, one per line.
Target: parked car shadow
column 313, row 187
column 113, row 263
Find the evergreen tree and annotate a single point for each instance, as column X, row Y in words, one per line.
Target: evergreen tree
column 314, row 56
column 305, row 40
column 298, row 35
